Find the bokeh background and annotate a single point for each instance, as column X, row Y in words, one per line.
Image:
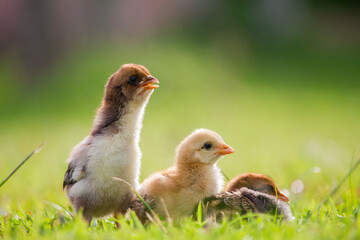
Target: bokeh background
column 278, row 79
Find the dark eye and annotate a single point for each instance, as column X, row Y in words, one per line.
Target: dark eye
column 207, row 146
column 133, row 79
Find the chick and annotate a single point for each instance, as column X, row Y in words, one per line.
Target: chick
column 245, row 201
column 257, row 182
column 112, row 147
column 193, row 176
column 250, row 192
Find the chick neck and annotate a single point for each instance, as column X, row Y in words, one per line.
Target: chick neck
column 192, row 171
column 112, row 117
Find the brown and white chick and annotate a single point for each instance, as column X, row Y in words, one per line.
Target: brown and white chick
column 193, row 176
column 112, row 147
column 245, row 200
column 257, row 182
column 250, row 192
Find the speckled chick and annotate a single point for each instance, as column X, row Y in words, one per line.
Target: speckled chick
column 194, row 175
column 245, row 201
column 112, row 147
column 257, row 182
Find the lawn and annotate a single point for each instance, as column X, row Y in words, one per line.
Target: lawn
column 293, row 117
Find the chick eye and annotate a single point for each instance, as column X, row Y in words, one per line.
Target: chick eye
column 207, row 146
column 133, row 79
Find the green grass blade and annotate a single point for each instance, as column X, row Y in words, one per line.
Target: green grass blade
column 38, row 149
column 199, row 214
column 332, row 193
column 134, row 190
column 225, row 176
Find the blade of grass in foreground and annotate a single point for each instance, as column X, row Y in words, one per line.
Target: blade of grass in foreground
column 340, row 183
column 199, row 214
column 38, row 149
column 136, row 192
column 153, row 216
column 225, row 176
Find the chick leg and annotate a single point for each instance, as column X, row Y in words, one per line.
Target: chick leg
column 116, row 220
column 88, row 220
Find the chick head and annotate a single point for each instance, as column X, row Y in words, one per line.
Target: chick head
column 204, row 146
column 132, row 82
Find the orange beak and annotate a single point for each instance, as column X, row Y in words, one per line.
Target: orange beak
column 282, row 197
column 148, row 84
column 225, row 149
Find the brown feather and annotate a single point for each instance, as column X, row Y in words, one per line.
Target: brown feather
column 245, row 201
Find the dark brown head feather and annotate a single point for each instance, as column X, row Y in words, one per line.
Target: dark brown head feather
column 118, row 93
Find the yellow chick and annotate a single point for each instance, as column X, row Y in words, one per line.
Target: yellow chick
column 193, row 177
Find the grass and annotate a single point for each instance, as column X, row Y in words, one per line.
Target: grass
column 38, row 149
column 292, row 117
column 331, row 222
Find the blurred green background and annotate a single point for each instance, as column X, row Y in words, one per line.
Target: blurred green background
column 279, row 80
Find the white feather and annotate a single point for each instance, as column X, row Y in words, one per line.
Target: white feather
column 110, row 155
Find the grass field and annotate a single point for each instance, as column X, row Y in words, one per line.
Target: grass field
column 291, row 117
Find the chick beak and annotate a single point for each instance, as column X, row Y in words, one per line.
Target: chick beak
column 149, row 81
column 225, row 149
column 147, row 85
column 282, row 197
